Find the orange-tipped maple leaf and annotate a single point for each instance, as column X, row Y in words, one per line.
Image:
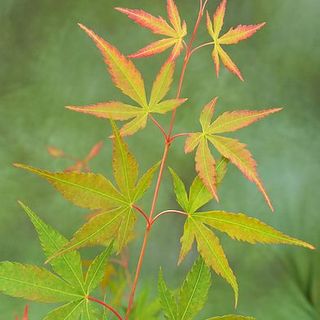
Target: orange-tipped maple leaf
column 129, row 80
column 231, row 149
column 233, row 36
column 174, row 32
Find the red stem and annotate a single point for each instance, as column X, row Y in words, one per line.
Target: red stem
column 163, row 161
column 166, row 212
column 158, row 125
column 114, row 311
column 142, row 213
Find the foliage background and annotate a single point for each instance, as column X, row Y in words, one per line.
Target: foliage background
column 47, row 62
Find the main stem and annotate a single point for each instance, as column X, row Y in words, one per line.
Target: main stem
column 168, row 141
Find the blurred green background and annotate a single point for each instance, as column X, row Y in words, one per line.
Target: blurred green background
column 47, row 62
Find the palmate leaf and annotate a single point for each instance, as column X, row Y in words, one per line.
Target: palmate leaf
column 233, row 36
column 229, row 148
column 186, row 302
column 174, row 33
column 38, row 284
column 237, row 225
column 129, row 80
column 116, row 217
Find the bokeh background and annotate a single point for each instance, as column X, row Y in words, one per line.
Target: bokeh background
column 47, row 62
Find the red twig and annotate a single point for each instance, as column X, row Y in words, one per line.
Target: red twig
column 114, row 311
column 164, row 159
column 166, row 212
column 142, row 213
column 158, row 125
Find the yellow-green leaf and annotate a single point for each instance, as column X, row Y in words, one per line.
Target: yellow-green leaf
column 70, row 311
column 186, row 240
column 205, row 166
column 125, row 166
column 86, row 190
column 68, row 266
column 34, row 283
column 162, row 83
column 194, row 291
column 210, row 249
column 241, row 227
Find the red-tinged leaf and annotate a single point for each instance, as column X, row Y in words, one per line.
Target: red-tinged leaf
column 216, row 60
column 237, row 153
column 124, row 73
column 205, row 166
column 154, row 48
column 207, row 114
column 229, row 64
column 235, row 120
column 239, row 33
column 218, row 18
column 192, row 141
column 173, row 14
column 95, row 150
column 110, row 110
column 134, row 125
column 210, row 26
column 156, row 24
column 167, row 105
column 162, row 83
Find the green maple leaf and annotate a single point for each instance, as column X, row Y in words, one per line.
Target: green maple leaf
column 129, row 80
column 187, row 301
column 66, row 285
column 198, row 227
column 116, row 217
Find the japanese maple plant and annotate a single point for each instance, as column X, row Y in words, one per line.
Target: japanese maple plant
column 115, row 207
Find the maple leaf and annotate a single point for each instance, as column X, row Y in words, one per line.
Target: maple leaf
column 174, row 33
column 67, row 284
column 231, row 149
column 187, row 301
column 233, row 36
column 116, row 217
column 198, row 226
column 129, row 80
